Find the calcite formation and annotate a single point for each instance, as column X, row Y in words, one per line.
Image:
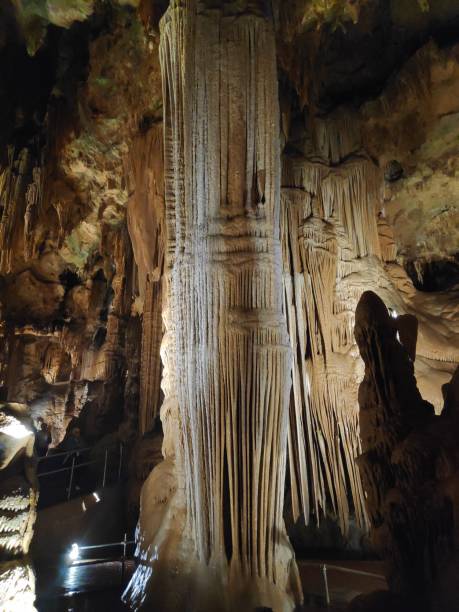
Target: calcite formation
column 18, row 505
column 329, row 225
column 70, row 297
column 188, row 220
column 146, row 223
column 337, row 230
column 231, row 352
column 409, row 464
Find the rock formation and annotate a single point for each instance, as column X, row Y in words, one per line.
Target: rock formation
column 337, row 228
column 71, row 297
column 188, row 219
column 409, row 466
column 231, row 356
column 18, row 503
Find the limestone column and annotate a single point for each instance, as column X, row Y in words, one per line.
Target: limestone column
column 232, row 353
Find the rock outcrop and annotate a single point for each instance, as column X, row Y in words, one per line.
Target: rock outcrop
column 18, row 505
column 409, row 466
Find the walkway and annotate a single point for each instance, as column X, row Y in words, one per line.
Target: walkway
column 97, row 585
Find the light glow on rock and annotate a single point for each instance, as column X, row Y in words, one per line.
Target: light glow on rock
column 15, row 429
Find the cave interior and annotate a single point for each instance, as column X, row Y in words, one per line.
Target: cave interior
column 229, row 305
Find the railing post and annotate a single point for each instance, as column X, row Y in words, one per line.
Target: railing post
column 327, row 592
column 69, row 493
column 105, row 467
column 121, row 461
column 124, row 557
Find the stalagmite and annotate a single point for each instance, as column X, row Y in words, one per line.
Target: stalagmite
column 409, row 466
column 231, row 353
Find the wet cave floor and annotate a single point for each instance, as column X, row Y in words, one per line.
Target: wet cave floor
column 97, row 586
column 83, row 587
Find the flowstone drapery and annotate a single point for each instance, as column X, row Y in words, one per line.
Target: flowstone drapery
column 328, row 227
column 18, row 508
column 225, row 316
column 145, row 217
column 336, row 244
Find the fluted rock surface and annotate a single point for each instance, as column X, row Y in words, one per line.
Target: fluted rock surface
column 231, row 352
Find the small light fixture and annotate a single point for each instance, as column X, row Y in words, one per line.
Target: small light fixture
column 96, row 497
column 74, row 553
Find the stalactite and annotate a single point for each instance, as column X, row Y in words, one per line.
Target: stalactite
column 318, row 253
column 145, row 212
column 13, row 185
column 33, row 197
column 150, row 373
column 328, row 222
column 336, row 136
column 336, row 243
column 348, row 193
column 146, row 224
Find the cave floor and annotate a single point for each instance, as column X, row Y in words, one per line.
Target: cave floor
column 98, row 586
column 83, row 587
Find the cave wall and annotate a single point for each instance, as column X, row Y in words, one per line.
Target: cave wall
column 349, row 224
column 71, row 296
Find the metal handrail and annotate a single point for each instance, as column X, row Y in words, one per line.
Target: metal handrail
column 354, row 571
column 325, row 567
column 340, row 568
column 124, row 543
column 76, row 452
column 66, row 469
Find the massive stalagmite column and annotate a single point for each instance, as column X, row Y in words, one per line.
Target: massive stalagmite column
column 232, row 353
